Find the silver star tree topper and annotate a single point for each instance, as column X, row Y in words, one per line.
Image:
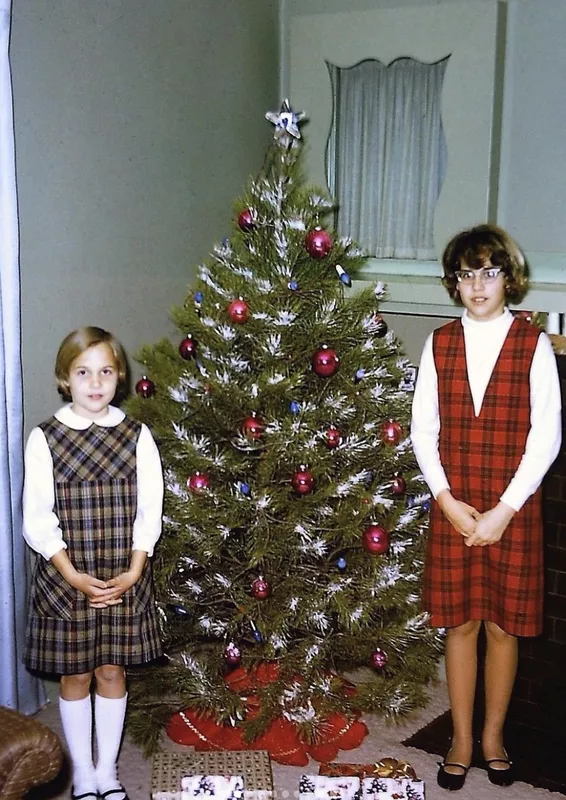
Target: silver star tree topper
column 286, row 122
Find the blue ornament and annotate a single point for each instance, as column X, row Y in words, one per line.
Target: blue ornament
column 180, row 610
column 360, row 375
column 199, row 297
column 341, row 563
column 245, row 488
column 426, row 506
column 343, row 275
column 293, row 286
column 294, row 407
column 256, row 633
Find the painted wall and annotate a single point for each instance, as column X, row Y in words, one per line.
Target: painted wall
column 137, row 125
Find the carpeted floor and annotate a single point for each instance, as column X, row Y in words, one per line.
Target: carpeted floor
column 383, row 740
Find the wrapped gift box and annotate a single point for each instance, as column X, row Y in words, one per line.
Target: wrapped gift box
column 322, row 787
column 254, row 767
column 386, row 768
column 392, row 789
column 221, row 787
column 335, row 769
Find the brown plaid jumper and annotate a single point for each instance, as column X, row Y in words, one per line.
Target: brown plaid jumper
column 501, row 582
column 95, row 481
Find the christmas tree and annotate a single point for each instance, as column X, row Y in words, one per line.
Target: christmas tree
column 295, row 512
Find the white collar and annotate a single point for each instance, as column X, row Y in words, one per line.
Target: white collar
column 67, row 416
column 491, row 326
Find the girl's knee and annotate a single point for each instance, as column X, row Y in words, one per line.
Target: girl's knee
column 469, row 628
column 110, row 674
column 75, row 686
column 493, row 631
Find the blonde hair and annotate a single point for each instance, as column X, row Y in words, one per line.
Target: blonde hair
column 75, row 343
column 477, row 246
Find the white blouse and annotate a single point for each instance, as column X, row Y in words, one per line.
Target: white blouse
column 483, row 343
column 41, row 526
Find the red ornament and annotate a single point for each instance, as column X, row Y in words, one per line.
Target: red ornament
column 379, row 658
column 261, row 588
column 325, row 362
column 302, row 481
column 378, row 326
column 238, row 311
column 198, row 482
column 145, row 387
column 246, row 220
column 398, row 485
column 318, row 243
column 332, row 437
column 391, row 432
column 375, row 539
column 188, row 348
column 232, row 654
column 252, row 426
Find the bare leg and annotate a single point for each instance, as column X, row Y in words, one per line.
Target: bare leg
column 500, row 671
column 461, row 675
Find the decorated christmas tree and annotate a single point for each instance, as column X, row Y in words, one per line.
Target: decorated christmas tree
column 295, row 513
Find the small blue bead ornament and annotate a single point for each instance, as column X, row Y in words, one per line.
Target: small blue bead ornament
column 293, row 286
column 294, row 407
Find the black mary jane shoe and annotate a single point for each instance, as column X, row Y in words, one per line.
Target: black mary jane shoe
column 450, row 780
column 91, row 795
column 500, row 777
column 118, row 790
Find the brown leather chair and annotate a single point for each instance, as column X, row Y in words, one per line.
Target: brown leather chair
column 30, row 754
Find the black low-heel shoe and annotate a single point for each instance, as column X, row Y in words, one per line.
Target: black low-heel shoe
column 450, row 780
column 500, row 777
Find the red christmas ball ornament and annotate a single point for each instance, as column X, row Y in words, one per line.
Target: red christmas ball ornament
column 375, row 539
column 261, row 588
column 303, row 481
column 252, row 426
column 379, row 658
column 391, row 432
column 246, row 220
column 325, row 362
column 199, row 482
column 398, row 484
column 378, row 326
column 332, row 437
column 238, row 311
column 188, row 348
column 318, row 243
column 232, row 654
column 144, row 387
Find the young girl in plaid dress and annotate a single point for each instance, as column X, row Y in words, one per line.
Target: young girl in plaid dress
column 92, row 511
column 486, row 427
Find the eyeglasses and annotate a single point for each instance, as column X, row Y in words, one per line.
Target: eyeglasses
column 487, row 274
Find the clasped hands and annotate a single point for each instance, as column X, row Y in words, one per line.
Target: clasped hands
column 102, row 594
column 477, row 529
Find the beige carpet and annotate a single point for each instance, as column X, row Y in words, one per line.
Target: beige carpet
column 383, row 740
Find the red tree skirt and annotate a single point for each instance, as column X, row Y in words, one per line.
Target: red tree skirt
column 281, row 740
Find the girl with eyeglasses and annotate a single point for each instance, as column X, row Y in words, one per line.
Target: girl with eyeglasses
column 486, row 427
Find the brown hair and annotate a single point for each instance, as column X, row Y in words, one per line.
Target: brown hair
column 475, row 247
column 75, row 343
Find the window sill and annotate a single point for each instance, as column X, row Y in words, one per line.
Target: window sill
column 413, row 287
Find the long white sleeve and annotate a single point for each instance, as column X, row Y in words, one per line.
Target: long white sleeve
column 147, row 524
column 41, row 525
column 545, row 435
column 425, row 422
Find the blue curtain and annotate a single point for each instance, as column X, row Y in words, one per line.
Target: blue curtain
column 18, row 689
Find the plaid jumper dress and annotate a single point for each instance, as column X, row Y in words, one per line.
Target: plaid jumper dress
column 95, row 483
column 500, row 582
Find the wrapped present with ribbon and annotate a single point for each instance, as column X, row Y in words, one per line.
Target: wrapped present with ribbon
column 386, row 768
column 219, row 787
column 392, row 789
column 323, row 787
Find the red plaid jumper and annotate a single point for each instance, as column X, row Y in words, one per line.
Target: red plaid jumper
column 501, row 582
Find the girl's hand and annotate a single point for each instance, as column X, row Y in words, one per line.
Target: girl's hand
column 460, row 515
column 97, row 591
column 121, row 583
column 491, row 525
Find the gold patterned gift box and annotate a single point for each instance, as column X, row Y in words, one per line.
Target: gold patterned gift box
column 254, row 766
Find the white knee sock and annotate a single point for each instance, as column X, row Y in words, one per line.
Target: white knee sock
column 76, row 716
column 109, row 714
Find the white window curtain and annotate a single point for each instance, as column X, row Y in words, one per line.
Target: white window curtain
column 18, row 689
column 386, row 155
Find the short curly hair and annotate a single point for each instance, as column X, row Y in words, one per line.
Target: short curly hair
column 75, row 343
column 474, row 248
